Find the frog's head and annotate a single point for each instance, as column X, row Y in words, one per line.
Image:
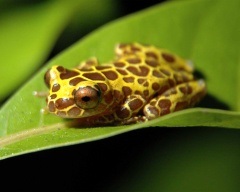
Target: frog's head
column 72, row 95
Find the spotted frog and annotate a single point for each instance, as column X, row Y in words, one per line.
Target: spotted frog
column 140, row 84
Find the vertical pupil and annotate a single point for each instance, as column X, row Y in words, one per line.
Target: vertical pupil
column 85, row 98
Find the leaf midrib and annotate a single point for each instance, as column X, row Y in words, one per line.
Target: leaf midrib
column 16, row 137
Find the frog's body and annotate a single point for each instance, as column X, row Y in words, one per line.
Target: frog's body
column 142, row 83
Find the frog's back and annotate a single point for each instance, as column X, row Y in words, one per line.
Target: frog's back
column 153, row 56
column 146, row 70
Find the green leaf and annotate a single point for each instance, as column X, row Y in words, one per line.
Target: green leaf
column 193, row 29
column 29, row 32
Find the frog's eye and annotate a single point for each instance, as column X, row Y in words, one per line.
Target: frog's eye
column 87, row 97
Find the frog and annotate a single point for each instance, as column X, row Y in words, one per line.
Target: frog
column 142, row 82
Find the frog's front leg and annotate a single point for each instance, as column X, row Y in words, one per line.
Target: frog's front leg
column 127, row 113
column 88, row 64
column 180, row 97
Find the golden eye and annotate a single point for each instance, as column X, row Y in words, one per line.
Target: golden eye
column 87, row 97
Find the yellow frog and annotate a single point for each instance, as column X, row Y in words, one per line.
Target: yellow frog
column 141, row 83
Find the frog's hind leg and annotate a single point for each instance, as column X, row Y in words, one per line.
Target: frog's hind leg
column 128, row 112
column 180, row 97
column 88, row 64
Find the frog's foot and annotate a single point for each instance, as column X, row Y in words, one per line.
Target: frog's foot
column 133, row 120
column 44, row 111
column 40, row 93
column 180, row 97
column 130, row 108
column 88, row 64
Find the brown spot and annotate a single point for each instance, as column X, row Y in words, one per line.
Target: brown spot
column 103, row 86
column 117, row 95
column 122, row 113
column 186, row 90
column 102, row 67
column 165, row 105
column 122, row 71
column 101, row 106
column 100, row 120
column 51, row 106
column 168, row 57
column 141, row 71
column 133, row 60
column 53, row 96
column 128, row 79
column 119, row 64
column 61, row 113
column 155, row 86
column 171, row 82
column 152, row 63
column 146, row 93
column 47, row 78
column 190, row 90
column 152, row 54
column 138, row 92
column 135, row 49
column 68, row 74
column 55, row 87
column 135, row 104
column 61, row 69
column 94, row 76
column 181, row 105
column 126, row 90
column 111, row 75
column 157, row 74
column 108, row 98
column 110, row 118
column 141, row 81
column 166, row 72
column 76, row 80
column 122, row 45
column 74, row 112
column 163, row 89
column 63, row 103
column 144, row 71
column 146, row 84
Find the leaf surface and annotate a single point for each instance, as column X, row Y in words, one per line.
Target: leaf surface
column 193, row 29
